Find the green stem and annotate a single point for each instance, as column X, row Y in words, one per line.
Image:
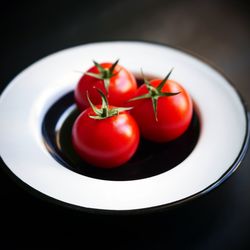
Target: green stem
column 104, row 74
column 154, row 93
column 105, row 111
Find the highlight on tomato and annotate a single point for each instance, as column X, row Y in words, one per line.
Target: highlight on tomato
column 162, row 108
column 114, row 80
column 104, row 135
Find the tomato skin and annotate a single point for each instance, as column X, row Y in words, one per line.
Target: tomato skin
column 174, row 113
column 106, row 143
column 122, row 87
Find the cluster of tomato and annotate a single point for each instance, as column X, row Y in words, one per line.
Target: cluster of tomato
column 115, row 112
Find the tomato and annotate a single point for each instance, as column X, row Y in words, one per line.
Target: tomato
column 163, row 110
column 105, row 136
column 113, row 79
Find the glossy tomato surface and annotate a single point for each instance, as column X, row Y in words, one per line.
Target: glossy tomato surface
column 106, row 143
column 174, row 112
column 121, row 88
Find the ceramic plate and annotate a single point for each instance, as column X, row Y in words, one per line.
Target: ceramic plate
column 37, row 104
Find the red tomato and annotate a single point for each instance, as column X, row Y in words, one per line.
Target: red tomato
column 104, row 135
column 105, row 143
column 174, row 112
column 117, row 82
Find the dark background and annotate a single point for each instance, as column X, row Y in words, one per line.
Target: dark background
column 216, row 30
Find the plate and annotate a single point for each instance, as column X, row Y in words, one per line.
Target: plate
column 26, row 148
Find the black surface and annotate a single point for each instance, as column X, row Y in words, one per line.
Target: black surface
column 217, row 30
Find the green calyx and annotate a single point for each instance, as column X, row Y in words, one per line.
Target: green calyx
column 154, row 93
column 104, row 74
column 105, row 111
